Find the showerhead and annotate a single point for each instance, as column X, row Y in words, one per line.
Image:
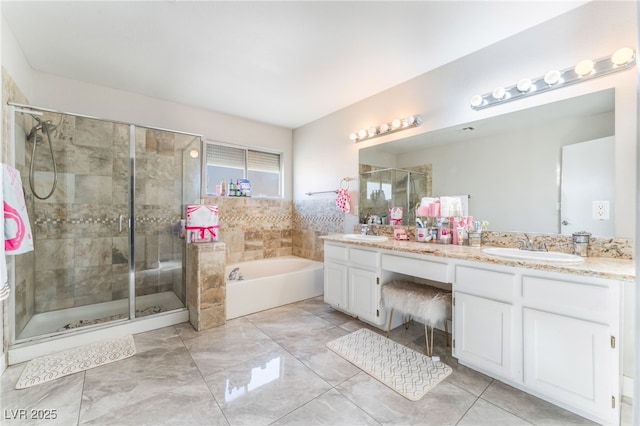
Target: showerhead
column 43, row 126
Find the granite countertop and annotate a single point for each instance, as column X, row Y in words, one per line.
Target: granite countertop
column 601, row 267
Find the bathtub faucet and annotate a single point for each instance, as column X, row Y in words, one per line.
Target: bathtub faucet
column 233, row 275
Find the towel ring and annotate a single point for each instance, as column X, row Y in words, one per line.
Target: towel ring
column 344, row 180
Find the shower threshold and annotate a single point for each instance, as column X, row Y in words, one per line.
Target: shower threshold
column 99, row 313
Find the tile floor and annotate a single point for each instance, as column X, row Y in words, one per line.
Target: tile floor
column 269, row 368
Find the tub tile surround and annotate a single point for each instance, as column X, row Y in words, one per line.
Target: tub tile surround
column 258, row 228
column 206, row 286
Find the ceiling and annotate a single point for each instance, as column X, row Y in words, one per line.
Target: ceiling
column 282, row 63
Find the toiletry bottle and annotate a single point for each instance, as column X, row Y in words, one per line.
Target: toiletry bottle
column 232, row 188
column 223, row 188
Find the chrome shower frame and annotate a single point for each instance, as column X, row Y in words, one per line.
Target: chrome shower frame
column 29, row 348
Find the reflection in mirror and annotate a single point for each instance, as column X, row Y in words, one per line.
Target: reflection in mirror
column 384, row 188
column 510, row 164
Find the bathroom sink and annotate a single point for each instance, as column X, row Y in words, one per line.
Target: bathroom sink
column 546, row 256
column 362, row 237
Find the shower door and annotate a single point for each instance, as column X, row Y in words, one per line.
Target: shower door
column 158, row 206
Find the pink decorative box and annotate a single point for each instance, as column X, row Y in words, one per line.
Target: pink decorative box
column 202, row 223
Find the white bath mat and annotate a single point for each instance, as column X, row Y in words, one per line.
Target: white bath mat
column 51, row 367
column 404, row 370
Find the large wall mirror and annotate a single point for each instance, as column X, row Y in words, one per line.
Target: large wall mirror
column 536, row 170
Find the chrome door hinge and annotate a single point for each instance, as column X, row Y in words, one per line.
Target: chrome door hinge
column 613, row 402
column 453, row 343
column 377, row 312
column 613, row 342
column 378, row 280
column 453, row 301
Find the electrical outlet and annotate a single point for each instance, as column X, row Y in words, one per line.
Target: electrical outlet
column 601, row 210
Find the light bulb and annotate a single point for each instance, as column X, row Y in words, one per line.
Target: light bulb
column 410, row 120
column 584, row 67
column 552, row 77
column 384, row 128
column 372, row 131
column 362, row 133
column 498, row 92
column 524, row 85
column 476, row 101
column 622, row 56
column 194, row 153
column 395, row 124
column 353, row 137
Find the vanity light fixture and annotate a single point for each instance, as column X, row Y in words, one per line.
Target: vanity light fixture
column 586, row 69
column 386, row 128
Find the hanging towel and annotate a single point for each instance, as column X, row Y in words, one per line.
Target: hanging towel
column 18, row 238
column 343, row 200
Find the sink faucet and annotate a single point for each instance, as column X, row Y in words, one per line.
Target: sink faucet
column 233, row 275
column 530, row 246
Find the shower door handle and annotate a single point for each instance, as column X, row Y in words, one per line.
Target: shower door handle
column 120, row 223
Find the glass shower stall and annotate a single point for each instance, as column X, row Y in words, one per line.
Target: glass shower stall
column 105, row 201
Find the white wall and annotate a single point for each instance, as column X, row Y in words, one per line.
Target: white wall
column 323, row 153
column 14, row 62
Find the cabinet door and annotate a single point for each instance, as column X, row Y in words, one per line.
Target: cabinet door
column 570, row 360
column 482, row 330
column 364, row 295
column 335, row 285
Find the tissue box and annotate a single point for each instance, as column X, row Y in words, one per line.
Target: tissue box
column 395, row 216
column 202, row 223
column 400, row 234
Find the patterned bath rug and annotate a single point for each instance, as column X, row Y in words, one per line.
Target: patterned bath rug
column 404, row 370
column 51, row 367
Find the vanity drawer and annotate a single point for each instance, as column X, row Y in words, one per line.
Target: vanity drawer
column 363, row 258
column 333, row 252
column 486, row 283
column 435, row 271
column 573, row 298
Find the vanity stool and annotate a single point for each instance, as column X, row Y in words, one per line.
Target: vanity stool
column 430, row 305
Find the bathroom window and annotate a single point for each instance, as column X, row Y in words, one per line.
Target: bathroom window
column 261, row 168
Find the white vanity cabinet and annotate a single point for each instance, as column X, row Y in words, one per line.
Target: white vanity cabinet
column 571, row 345
column 352, row 279
column 553, row 335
